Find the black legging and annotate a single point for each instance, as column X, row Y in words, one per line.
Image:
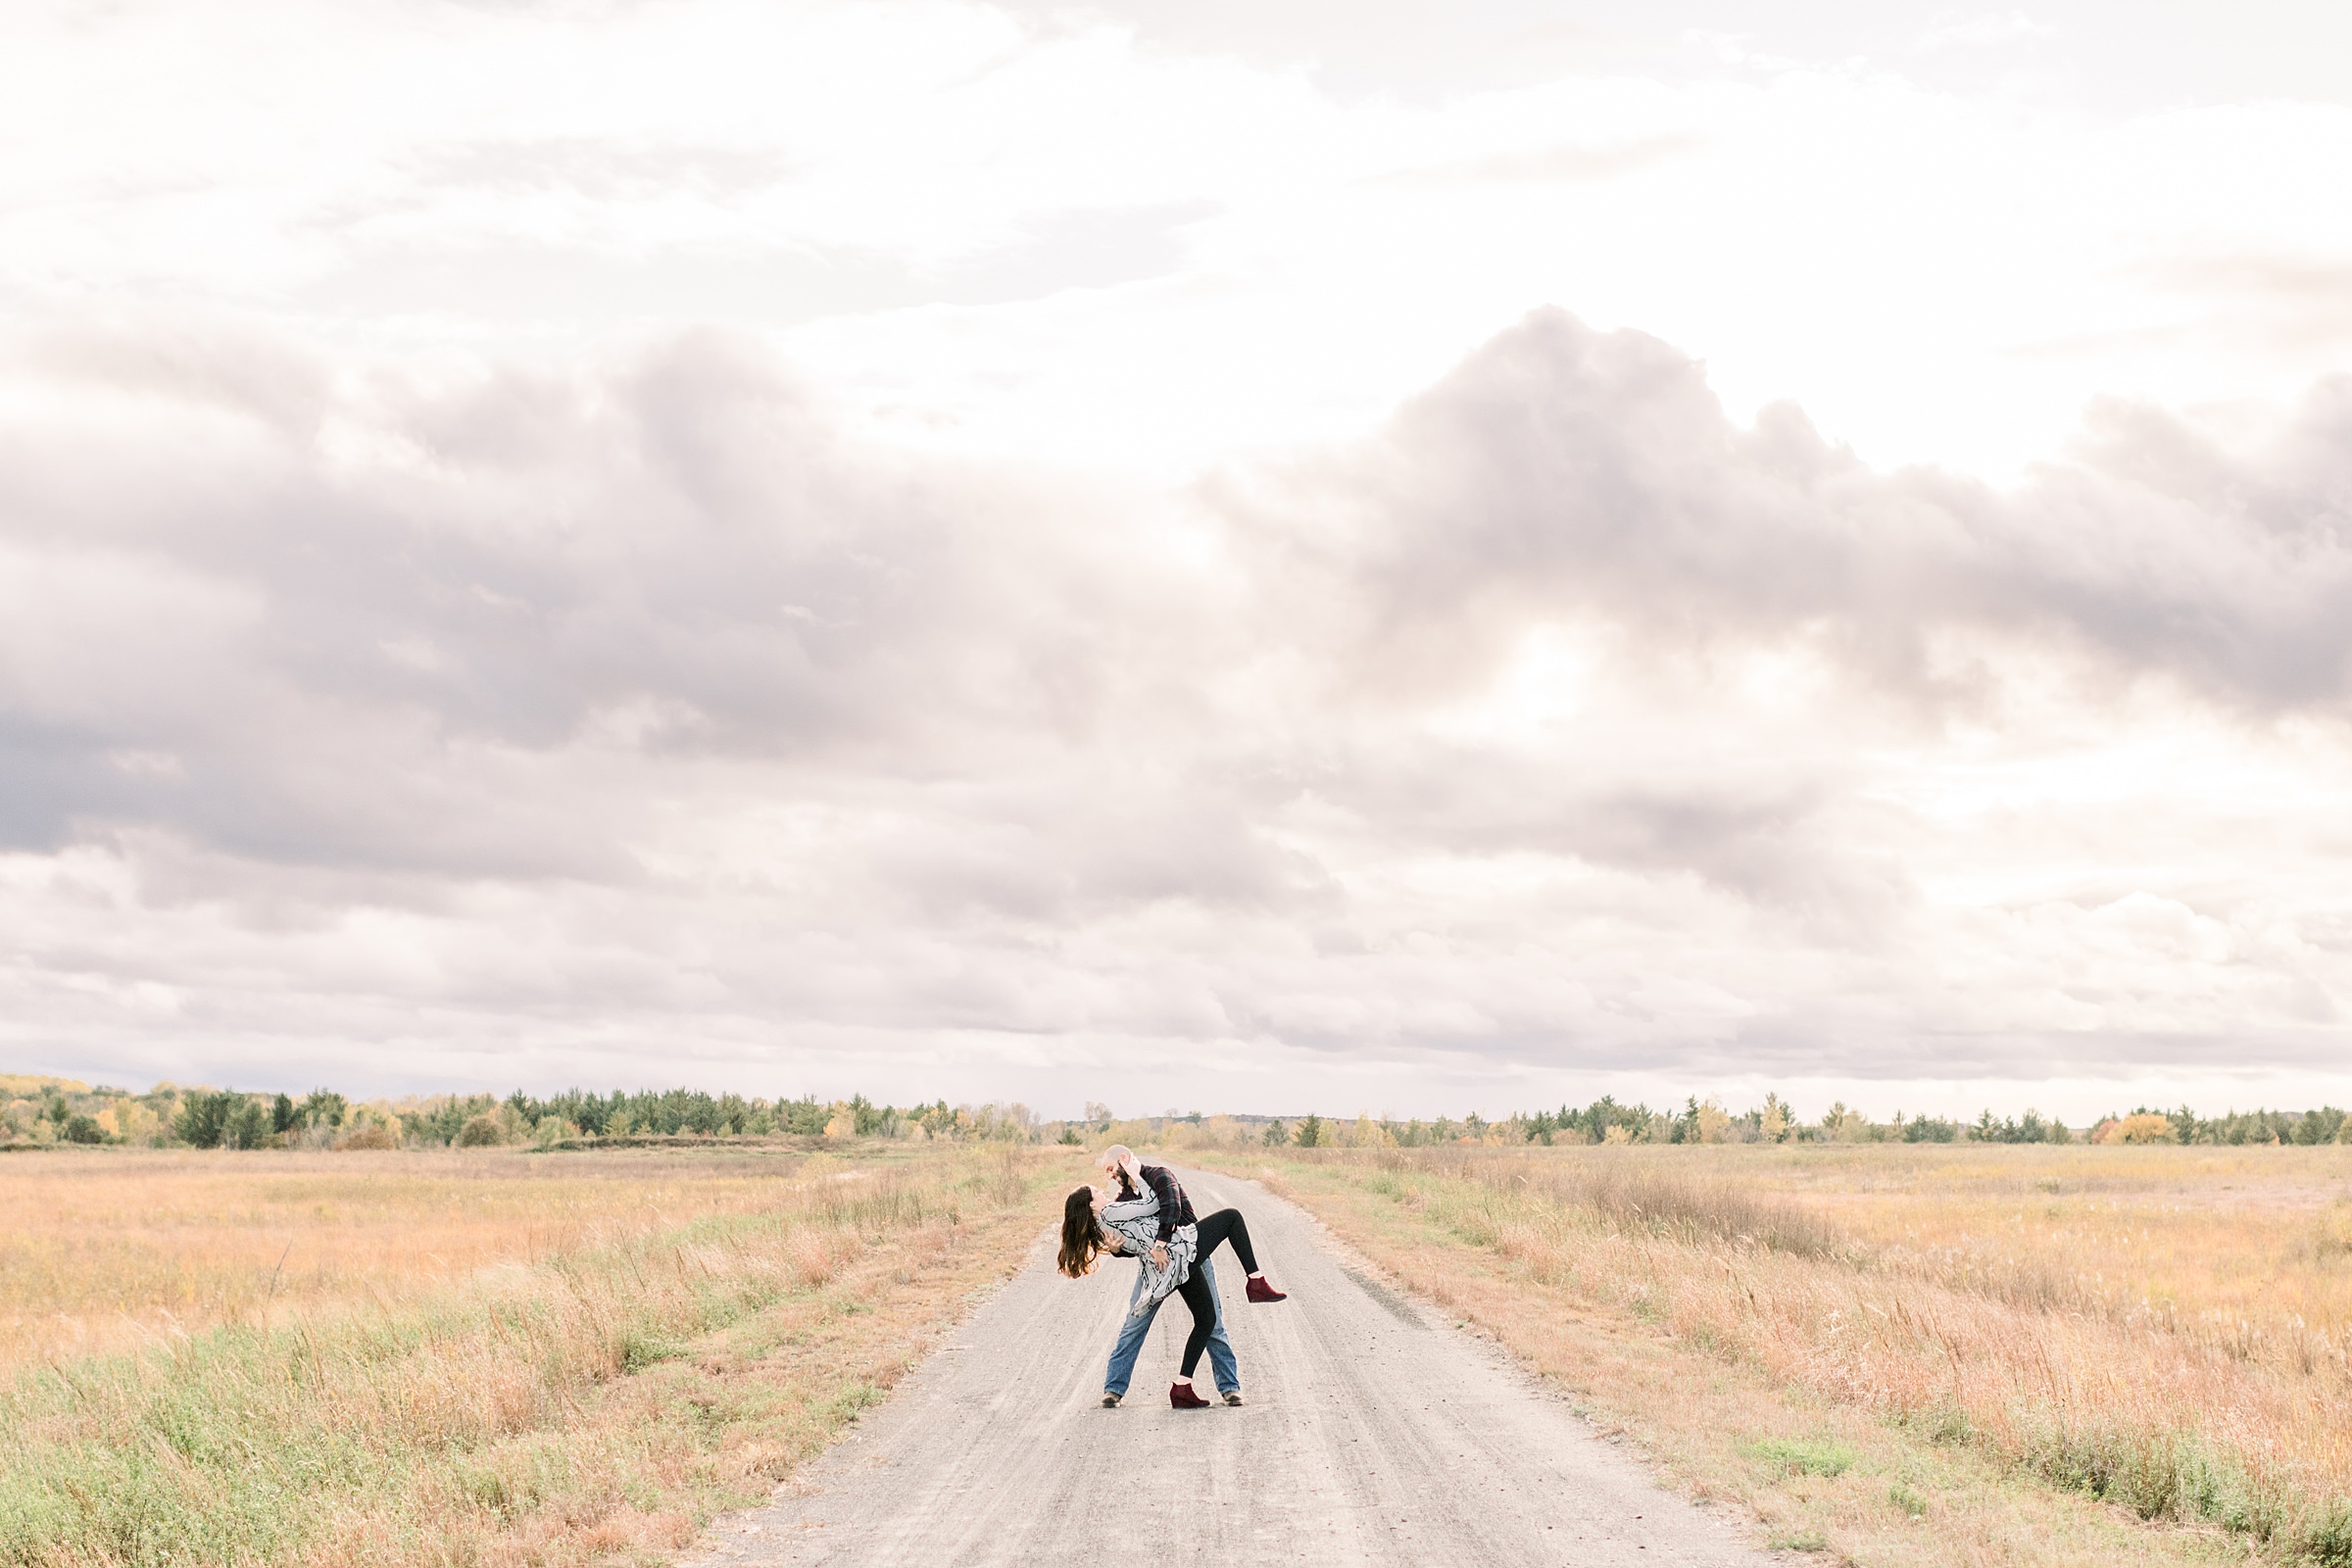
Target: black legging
column 1225, row 1225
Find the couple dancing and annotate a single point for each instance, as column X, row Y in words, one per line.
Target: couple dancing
column 1140, row 1211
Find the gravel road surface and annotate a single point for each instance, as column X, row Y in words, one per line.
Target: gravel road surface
column 1374, row 1433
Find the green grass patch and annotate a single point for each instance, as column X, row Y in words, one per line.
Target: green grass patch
column 1803, row 1456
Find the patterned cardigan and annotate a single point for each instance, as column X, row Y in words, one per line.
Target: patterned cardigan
column 1134, row 1224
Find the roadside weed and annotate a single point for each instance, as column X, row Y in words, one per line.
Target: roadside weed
column 1809, row 1457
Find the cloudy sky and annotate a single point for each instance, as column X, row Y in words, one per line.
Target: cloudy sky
column 1334, row 554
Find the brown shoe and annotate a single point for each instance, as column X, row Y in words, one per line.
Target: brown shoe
column 1110, row 1401
column 1233, row 1395
column 1182, row 1396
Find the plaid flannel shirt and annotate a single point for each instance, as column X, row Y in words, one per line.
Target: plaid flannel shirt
column 1174, row 1207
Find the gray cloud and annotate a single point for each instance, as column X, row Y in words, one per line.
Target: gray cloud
column 524, row 711
column 339, row 611
column 1563, row 472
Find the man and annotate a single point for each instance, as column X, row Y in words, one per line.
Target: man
column 1132, row 1178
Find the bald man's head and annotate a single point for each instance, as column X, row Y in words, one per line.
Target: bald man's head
column 1118, row 1157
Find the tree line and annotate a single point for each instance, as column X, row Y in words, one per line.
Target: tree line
column 53, row 1112
column 60, row 1111
column 1706, row 1121
column 1606, row 1120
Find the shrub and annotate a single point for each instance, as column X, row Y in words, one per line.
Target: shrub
column 85, row 1130
column 2144, row 1127
column 2326, row 1538
column 1310, row 1132
column 482, row 1132
column 368, row 1134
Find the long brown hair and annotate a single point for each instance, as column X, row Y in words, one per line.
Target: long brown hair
column 1081, row 1236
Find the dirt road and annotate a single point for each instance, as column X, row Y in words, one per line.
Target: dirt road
column 1374, row 1433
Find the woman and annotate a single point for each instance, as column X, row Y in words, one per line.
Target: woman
column 1094, row 1220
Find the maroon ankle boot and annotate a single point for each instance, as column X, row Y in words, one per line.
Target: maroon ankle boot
column 1182, row 1396
column 1260, row 1290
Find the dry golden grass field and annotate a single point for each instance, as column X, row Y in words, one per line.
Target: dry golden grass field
column 1915, row 1353
column 459, row 1357
column 1891, row 1353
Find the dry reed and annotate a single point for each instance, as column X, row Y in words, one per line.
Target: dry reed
column 112, row 1249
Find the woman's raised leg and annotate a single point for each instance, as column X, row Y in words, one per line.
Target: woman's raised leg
column 1227, row 1225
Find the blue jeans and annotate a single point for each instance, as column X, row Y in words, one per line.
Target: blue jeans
column 1131, row 1338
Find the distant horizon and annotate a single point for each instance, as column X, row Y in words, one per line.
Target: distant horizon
column 1802, row 1113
